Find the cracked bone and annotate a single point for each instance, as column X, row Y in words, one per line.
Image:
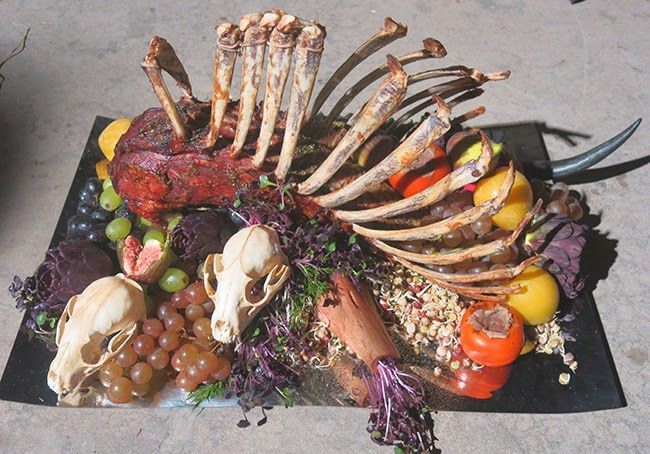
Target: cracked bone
column 248, row 274
column 109, row 309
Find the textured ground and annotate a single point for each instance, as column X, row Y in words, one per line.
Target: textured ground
column 582, row 67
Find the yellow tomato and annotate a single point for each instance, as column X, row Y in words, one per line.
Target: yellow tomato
column 517, row 204
column 102, row 169
column 109, row 136
column 539, row 296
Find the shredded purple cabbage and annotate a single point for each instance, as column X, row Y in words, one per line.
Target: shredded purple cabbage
column 398, row 415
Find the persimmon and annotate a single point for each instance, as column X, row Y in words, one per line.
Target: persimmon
column 491, row 333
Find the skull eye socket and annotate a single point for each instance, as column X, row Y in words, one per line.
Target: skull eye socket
column 255, row 291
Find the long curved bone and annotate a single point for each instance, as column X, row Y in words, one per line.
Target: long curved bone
column 409, row 150
column 383, row 103
column 254, row 45
column 228, row 40
column 392, row 30
column 460, row 255
column 466, row 174
column 473, row 80
column 488, row 208
column 308, row 53
column 569, row 166
column 161, row 56
column 281, row 44
column 465, row 96
column 432, row 49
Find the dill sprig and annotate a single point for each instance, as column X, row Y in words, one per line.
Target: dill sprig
column 205, row 393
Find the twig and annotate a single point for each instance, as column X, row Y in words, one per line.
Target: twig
column 16, row 50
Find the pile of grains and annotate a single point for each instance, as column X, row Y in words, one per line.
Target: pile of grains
column 426, row 315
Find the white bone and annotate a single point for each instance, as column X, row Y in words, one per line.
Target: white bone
column 251, row 255
column 110, row 306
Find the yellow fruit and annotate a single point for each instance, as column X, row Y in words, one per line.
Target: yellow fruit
column 470, row 148
column 517, row 204
column 539, row 296
column 102, row 169
column 528, row 347
column 109, row 136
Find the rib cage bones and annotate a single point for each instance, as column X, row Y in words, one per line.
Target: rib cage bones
column 282, row 40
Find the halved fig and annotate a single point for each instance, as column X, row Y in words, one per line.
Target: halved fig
column 143, row 263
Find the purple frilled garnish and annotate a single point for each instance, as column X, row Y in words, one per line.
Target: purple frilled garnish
column 560, row 241
column 398, row 415
column 201, row 233
column 66, row 271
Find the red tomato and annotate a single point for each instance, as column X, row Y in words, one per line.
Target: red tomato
column 481, row 347
column 413, row 181
column 480, row 383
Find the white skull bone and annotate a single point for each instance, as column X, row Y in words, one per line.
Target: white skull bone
column 250, row 255
column 110, row 306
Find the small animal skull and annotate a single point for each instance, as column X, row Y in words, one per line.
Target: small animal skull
column 108, row 310
column 249, row 256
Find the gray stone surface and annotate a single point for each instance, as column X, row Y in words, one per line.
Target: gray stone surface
column 581, row 67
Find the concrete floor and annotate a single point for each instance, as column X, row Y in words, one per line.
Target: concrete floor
column 582, row 67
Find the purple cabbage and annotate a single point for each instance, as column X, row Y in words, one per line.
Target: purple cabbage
column 560, row 241
column 199, row 234
column 398, row 415
column 66, row 271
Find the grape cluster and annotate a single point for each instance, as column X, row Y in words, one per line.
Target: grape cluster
column 179, row 336
column 558, row 199
column 480, row 231
column 101, row 216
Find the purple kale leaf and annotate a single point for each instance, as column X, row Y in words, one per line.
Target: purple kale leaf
column 560, row 241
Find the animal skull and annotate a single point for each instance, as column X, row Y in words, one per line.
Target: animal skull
column 108, row 309
column 249, row 256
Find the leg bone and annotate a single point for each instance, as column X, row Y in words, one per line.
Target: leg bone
column 228, row 41
column 281, row 44
column 308, row 54
column 161, row 56
column 254, row 45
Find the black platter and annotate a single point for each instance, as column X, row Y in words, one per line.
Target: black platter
column 532, row 388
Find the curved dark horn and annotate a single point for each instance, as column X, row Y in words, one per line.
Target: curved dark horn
column 569, row 166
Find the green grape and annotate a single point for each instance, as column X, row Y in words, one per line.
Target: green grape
column 143, row 223
column 154, row 234
column 107, row 183
column 118, row 229
column 173, row 221
column 109, row 200
column 173, row 280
